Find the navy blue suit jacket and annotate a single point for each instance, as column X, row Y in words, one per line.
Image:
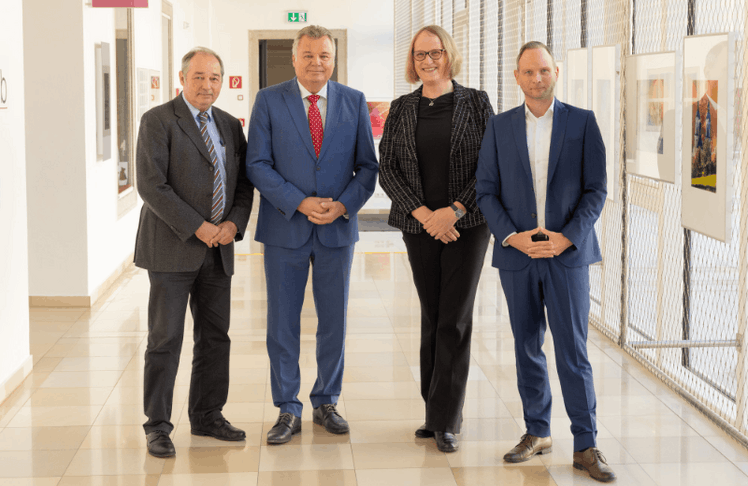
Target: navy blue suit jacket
column 576, row 184
column 282, row 164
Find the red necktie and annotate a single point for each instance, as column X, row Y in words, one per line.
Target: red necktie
column 315, row 123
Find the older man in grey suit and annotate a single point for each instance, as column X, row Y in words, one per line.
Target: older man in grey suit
column 196, row 202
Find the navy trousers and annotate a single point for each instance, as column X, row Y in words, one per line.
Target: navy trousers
column 564, row 292
column 286, row 274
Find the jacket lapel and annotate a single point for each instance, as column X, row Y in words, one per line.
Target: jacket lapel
column 560, row 114
column 460, row 119
column 519, row 126
column 295, row 105
column 332, row 116
column 189, row 126
column 410, row 117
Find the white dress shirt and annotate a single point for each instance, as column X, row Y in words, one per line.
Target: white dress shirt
column 321, row 102
column 539, row 132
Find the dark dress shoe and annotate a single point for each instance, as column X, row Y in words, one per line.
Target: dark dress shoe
column 446, row 441
column 593, row 461
column 221, row 429
column 285, row 427
column 328, row 416
column 528, row 446
column 423, row 433
column 160, row 445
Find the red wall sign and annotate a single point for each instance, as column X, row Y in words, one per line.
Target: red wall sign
column 155, row 82
column 235, row 82
column 120, row 3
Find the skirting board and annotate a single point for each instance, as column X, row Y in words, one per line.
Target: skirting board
column 81, row 301
column 15, row 379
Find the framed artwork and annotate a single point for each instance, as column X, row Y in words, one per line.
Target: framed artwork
column 560, row 92
column 606, row 103
column 650, row 120
column 708, row 121
column 576, row 77
column 103, row 102
column 378, row 111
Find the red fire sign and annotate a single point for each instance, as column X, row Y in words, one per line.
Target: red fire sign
column 235, row 82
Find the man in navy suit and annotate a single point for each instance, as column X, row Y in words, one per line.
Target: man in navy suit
column 312, row 158
column 541, row 176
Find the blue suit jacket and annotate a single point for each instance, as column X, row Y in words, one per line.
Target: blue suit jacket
column 282, row 164
column 576, row 183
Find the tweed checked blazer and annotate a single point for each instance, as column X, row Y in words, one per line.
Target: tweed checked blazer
column 175, row 180
column 399, row 173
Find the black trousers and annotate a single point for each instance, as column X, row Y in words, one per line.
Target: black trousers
column 446, row 277
column 209, row 293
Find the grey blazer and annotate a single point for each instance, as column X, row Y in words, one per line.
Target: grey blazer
column 175, row 180
column 399, row 172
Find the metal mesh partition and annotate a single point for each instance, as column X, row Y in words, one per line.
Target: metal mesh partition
column 673, row 298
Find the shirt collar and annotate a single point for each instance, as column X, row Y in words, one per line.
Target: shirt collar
column 195, row 112
column 305, row 92
column 528, row 113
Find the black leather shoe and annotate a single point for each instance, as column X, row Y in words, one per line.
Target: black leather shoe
column 221, row 429
column 446, row 441
column 328, row 416
column 160, row 445
column 423, row 433
column 285, row 427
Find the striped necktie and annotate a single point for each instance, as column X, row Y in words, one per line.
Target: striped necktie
column 216, row 212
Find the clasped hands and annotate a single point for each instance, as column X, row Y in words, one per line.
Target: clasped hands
column 439, row 224
column 557, row 243
column 214, row 235
column 321, row 210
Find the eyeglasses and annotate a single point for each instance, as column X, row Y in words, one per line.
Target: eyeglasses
column 434, row 54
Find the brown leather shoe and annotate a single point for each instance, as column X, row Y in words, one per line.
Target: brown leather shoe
column 528, row 446
column 593, row 461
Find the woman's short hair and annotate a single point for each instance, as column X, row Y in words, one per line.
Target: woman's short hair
column 454, row 58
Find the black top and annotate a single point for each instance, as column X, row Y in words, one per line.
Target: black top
column 433, row 133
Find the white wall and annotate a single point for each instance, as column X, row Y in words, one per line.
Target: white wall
column 15, row 362
column 370, row 39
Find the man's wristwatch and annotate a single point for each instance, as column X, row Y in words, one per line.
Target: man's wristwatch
column 458, row 212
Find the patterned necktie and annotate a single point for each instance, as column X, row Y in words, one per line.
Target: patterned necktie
column 216, row 212
column 315, row 123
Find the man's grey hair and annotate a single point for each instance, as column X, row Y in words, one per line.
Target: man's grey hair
column 199, row 50
column 314, row 32
column 535, row 45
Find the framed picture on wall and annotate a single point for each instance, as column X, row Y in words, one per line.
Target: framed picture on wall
column 576, row 77
column 651, row 117
column 606, row 103
column 378, row 111
column 708, row 121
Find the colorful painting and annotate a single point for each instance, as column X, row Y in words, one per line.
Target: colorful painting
column 378, row 111
column 704, row 135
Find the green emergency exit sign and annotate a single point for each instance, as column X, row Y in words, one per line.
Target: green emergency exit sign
column 297, row 17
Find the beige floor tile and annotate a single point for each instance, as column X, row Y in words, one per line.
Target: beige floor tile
column 82, row 379
column 385, row 409
column 396, row 390
column 62, row 416
column 391, row 359
column 117, row 414
column 115, row 437
column 42, row 438
column 209, row 479
column 423, row 454
column 485, row 408
column 126, row 480
column 69, row 397
column 246, row 393
column 369, row 374
column 307, row 478
column 647, row 426
column 384, row 431
column 306, row 457
column 514, row 475
column 490, row 429
column 116, row 363
column 114, row 462
column 31, row 481
column 435, row 476
column 28, row 464
column 729, row 447
column 657, row 450
column 238, row 458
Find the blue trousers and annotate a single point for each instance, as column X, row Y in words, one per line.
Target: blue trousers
column 564, row 292
column 286, row 274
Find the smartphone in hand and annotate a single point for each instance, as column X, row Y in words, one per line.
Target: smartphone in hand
column 539, row 236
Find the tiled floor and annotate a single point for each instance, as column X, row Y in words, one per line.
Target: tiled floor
column 76, row 419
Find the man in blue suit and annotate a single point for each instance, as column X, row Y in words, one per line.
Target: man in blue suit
column 541, row 176
column 312, row 158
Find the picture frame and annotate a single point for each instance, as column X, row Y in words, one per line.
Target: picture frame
column 651, row 105
column 606, row 104
column 577, row 81
column 708, row 125
column 378, row 111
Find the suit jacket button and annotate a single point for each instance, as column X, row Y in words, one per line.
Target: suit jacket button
column 318, row 168
column 533, row 215
column 314, row 193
